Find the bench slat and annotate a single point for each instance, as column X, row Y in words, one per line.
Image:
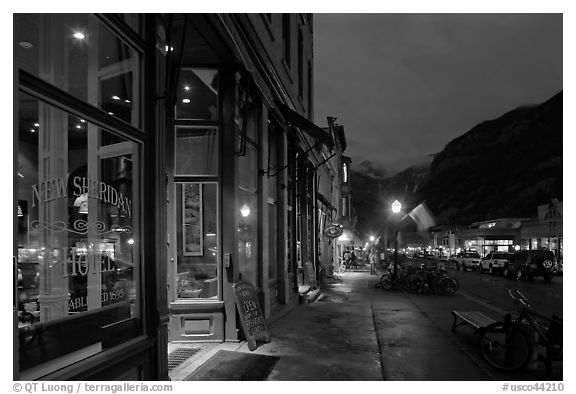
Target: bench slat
column 473, row 318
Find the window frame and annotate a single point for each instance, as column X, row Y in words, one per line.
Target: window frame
column 62, row 100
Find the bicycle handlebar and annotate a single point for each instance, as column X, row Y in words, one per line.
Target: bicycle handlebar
column 519, row 298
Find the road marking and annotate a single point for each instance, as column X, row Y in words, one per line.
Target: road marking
column 484, row 304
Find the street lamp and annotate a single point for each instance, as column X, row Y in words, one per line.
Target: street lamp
column 396, row 207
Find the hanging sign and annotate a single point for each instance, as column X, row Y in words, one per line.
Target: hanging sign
column 333, row 230
column 251, row 316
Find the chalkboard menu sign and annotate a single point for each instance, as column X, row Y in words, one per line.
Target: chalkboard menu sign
column 251, row 316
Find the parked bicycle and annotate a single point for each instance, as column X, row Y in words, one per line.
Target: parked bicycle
column 388, row 281
column 507, row 345
column 427, row 280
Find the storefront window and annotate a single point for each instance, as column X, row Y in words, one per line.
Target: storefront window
column 247, row 236
column 80, row 55
column 196, row 151
column 272, row 240
column 197, row 94
column 197, row 243
column 272, row 201
column 247, row 211
column 133, row 21
column 78, row 239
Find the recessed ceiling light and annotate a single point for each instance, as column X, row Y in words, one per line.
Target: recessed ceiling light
column 32, row 130
column 186, row 101
column 36, row 124
column 79, row 35
column 110, row 113
column 78, row 126
column 82, row 120
column 26, row 44
column 186, row 88
column 115, row 98
column 127, row 101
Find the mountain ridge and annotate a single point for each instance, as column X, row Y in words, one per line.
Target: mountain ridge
column 501, row 167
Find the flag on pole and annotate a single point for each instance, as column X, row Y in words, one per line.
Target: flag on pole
column 422, row 217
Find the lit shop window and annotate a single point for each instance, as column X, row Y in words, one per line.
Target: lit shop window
column 345, row 206
column 345, row 172
column 197, row 94
column 78, row 54
column 197, row 244
column 247, row 215
column 78, row 238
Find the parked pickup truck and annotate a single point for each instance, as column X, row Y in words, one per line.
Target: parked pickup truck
column 467, row 260
column 495, row 262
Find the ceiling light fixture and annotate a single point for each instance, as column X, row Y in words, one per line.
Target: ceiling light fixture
column 36, row 124
column 79, row 35
column 186, row 101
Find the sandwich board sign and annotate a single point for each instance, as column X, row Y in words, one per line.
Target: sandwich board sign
column 251, row 316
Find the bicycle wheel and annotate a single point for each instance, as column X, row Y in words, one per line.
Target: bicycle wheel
column 506, row 348
column 385, row 282
column 413, row 283
column 447, row 286
column 457, row 283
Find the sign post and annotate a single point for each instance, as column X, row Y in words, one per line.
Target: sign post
column 251, row 316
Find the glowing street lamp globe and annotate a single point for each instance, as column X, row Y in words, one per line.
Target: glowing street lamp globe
column 396, row 206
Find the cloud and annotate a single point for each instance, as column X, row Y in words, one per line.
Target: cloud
column 404, row 85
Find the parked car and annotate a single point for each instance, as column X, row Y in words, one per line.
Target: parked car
column 465, row 260
column 527, row 264
column 494, row 262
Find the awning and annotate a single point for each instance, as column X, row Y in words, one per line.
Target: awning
column 325, row 201
column 297, row 120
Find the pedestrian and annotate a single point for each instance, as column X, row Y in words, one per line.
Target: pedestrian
column 346, row 258
column 372, row 259
column 353, row 258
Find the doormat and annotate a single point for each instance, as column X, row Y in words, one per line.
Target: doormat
column 227, row 365
column 180, row 355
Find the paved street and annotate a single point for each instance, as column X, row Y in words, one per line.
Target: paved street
column 355, row 331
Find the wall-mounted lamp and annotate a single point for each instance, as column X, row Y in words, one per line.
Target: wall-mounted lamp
column 245, row 210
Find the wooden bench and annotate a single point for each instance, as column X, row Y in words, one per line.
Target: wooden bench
column 474, row 319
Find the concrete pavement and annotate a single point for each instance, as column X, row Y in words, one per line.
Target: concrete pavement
column 356, row 332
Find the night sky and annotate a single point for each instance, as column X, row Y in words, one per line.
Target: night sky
column 405, row 85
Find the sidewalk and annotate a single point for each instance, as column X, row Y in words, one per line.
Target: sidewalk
column 354, row 331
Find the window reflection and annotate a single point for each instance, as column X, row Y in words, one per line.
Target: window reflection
column 77, row 245
column 197, row 94
column 116, row 96
column 58, row 48
column 247, row 235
